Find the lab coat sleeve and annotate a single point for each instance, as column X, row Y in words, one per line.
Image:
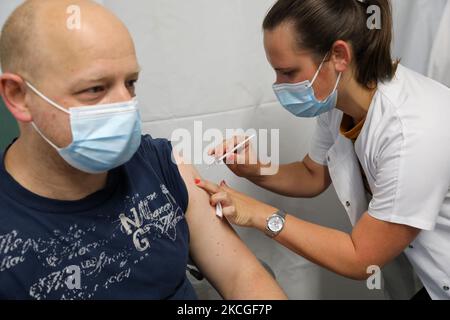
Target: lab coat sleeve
column 322, row 140
column 412, row 174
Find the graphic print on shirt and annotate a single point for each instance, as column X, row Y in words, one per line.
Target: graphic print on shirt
column 101, row 261
column 162, row 221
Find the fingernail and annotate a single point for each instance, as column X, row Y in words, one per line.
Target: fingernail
column 197, row 181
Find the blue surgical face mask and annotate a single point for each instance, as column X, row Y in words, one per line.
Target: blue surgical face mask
column 104, row 136
column 300, row 100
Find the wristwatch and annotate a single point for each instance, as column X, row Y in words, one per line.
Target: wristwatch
column 275, row 223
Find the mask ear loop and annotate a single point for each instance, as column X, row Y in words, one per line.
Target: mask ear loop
column 54, row 104
column 44, row 137
column 318, row 70
column 337, row 82
column 36, row 91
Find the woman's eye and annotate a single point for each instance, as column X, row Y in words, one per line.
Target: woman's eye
column 288, row 74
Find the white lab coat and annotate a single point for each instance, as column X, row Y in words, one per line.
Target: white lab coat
column 404, row 150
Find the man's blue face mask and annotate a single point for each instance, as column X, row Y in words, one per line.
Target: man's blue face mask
column 300, row 100
column 104, row 136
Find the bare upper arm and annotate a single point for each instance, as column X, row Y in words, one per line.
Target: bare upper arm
column 216, row 248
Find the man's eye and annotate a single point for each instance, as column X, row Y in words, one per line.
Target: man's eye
column 131, row 83
column 96, row 89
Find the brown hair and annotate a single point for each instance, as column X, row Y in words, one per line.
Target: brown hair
column 320, row 23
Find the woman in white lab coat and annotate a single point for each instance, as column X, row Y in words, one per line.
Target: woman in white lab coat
column 382, row 135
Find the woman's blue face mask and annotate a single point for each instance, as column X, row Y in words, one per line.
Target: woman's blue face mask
column 300, row 100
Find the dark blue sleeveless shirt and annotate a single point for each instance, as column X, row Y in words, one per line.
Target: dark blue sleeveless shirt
column 129, row 240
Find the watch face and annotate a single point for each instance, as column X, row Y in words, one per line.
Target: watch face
column 275, row 224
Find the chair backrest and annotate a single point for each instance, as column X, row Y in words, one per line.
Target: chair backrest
column 8, row 127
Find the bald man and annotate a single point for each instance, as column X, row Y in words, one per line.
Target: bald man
column 89, row 208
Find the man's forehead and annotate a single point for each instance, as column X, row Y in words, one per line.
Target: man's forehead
column 101, row 39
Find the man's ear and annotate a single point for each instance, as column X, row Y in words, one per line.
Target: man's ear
column 341, row 55
column 13, row 92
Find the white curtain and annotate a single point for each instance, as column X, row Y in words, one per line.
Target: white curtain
column 439, row 65
column 422, row 36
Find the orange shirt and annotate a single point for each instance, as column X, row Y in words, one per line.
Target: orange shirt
column 352, row 131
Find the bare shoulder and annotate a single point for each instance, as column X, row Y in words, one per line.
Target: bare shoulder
column 217, row 250
column 200, row 214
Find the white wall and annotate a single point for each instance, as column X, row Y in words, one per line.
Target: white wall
column 204, row 60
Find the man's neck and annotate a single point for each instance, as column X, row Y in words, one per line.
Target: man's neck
column 37, row 167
